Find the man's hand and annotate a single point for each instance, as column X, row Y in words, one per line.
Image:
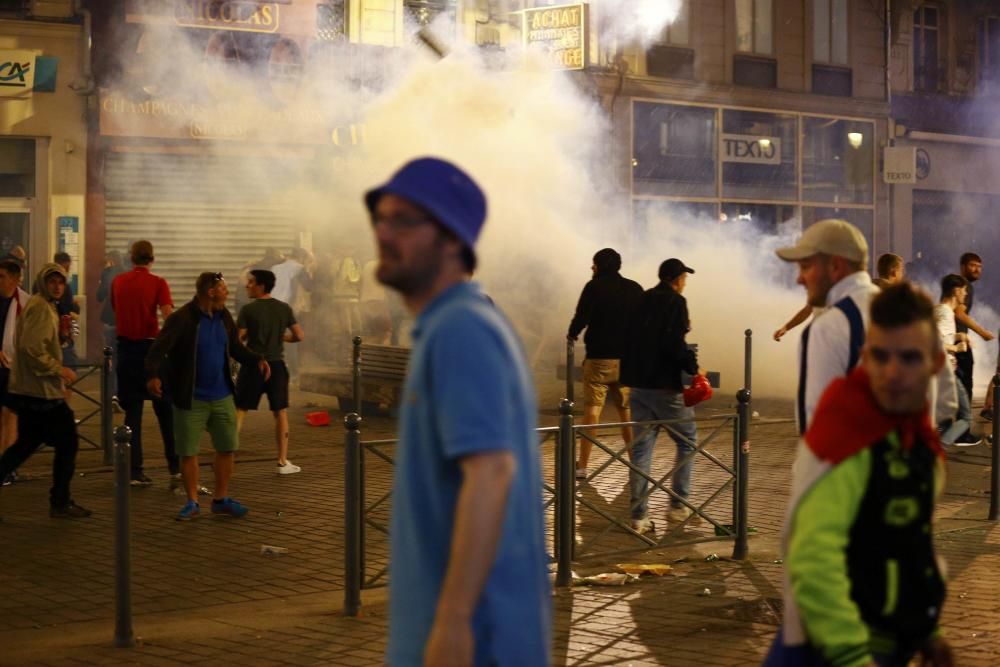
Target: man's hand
column 936, row 653
column 265, row 369
column 67, row 375
column 450, row 644
column 779, row 333
column 987, row 336
column 4, row 361
column 155, row 388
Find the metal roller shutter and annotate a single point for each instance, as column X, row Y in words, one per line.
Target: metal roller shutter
column 201, row 213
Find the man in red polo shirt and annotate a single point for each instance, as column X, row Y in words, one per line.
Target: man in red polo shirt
column 135, row 297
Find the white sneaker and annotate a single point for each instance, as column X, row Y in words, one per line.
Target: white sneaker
column 581, row 473
column 288, row 469
column 643, row 526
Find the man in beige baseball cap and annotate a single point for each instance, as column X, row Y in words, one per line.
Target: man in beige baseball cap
column 832, row 256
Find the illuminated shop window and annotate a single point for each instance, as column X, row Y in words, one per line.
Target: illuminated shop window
column 758, row 153
column 837, row 161
column 674, row 150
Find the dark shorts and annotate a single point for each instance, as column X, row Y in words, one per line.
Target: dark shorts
column 251, row 385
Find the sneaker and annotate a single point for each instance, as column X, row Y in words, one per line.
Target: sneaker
column 986, row 414
column 116, row 407
column 643, row 526
column 968, row 441
column 228, row 506
column 9, row 479
column 140, row 479
column 581, row 473
column 70, row 511
column 288, row 469
column 190, row 510
column 679, row 514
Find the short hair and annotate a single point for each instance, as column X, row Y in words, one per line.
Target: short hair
column 902, row 305
column 142, row 253
column 62, row 257
column 950, row 283
column 607, row 259
column 10, row 267
column 207, row 281
column 969, row 257
column 887, row 263
column 264, row 278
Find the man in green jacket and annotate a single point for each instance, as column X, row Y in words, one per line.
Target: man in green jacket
column 862, row 583
column 38, row 393
column 191, row 353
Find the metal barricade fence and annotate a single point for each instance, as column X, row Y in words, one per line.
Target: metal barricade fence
column 567, row 534
column 100, row 407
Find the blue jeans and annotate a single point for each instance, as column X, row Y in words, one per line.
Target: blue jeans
column 963, row 420
column 655, row 405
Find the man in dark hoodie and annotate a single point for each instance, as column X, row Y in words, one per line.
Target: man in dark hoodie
column 192, row 354
column 656, row 357
column 37, row 393
column 605, row 306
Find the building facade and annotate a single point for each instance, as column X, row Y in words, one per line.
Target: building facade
column 44, row 84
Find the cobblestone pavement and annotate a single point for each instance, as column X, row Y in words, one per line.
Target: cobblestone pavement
column 203, row 593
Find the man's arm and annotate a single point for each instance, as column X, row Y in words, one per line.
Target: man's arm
column 584, row 310
column 797, row 319
column 164, row 300
column 31, row 338
column 242, row 332
column 295, row 334
column 162, row 346
column 816, row 558
column 962, row 316
column 479, row 517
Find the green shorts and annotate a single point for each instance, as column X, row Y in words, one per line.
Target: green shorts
column 216, row 417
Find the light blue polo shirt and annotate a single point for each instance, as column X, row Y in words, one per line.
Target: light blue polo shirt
column 468, row 390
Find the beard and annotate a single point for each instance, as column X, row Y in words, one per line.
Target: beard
column 417, row 276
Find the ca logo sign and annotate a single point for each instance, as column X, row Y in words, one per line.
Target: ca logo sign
column 13, row 74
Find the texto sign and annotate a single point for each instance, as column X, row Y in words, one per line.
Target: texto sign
column 750, row 148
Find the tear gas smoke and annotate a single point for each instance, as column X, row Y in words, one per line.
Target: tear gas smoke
column 540, row 148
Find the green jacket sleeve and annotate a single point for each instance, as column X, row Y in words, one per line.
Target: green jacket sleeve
column 33, row 336
column 816, row 562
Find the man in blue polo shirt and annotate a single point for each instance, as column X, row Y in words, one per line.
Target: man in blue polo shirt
column 469, row 584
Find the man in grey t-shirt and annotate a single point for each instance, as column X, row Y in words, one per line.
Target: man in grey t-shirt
column 265, row 325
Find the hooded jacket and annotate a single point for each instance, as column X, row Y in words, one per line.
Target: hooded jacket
column 605, row 307
column 656, row 353
column 37, row 367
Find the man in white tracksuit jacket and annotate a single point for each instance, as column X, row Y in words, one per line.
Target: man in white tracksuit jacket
column 832, row 256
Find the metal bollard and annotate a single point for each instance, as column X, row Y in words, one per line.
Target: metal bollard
column 740, row 548
column 124, row 636
column 353, row 510
column 995, row 470
column 747, row 359
column 565, row 495
column 570, row 368
column 107, row 425
column 356, row 373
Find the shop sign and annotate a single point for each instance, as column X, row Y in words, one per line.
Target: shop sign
column 750, row 149
column 242, row 15
column 561, row 32
column 17, row 72
column 900, row 165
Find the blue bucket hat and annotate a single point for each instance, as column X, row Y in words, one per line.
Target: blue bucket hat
column 446, row 192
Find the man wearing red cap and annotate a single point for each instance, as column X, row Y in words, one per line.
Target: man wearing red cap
column 469, row 582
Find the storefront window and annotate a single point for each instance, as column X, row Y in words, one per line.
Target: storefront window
column 762, row 218
column 758, row 153
column 837, row 161
column 674, row 150
column 17, row 167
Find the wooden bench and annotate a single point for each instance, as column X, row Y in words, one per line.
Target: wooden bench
column 375, row 381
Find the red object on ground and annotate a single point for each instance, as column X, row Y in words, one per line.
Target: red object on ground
column 318, row 418
column 700, row 390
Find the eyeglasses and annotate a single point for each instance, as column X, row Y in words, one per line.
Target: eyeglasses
column 399, row 223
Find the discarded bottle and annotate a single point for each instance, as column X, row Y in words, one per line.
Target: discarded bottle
column 268, row 550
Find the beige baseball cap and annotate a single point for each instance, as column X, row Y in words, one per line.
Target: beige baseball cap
column 830, row 237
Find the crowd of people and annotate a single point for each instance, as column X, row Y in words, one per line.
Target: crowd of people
column 885, row 381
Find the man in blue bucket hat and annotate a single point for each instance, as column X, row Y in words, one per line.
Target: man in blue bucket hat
column 469, row 584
